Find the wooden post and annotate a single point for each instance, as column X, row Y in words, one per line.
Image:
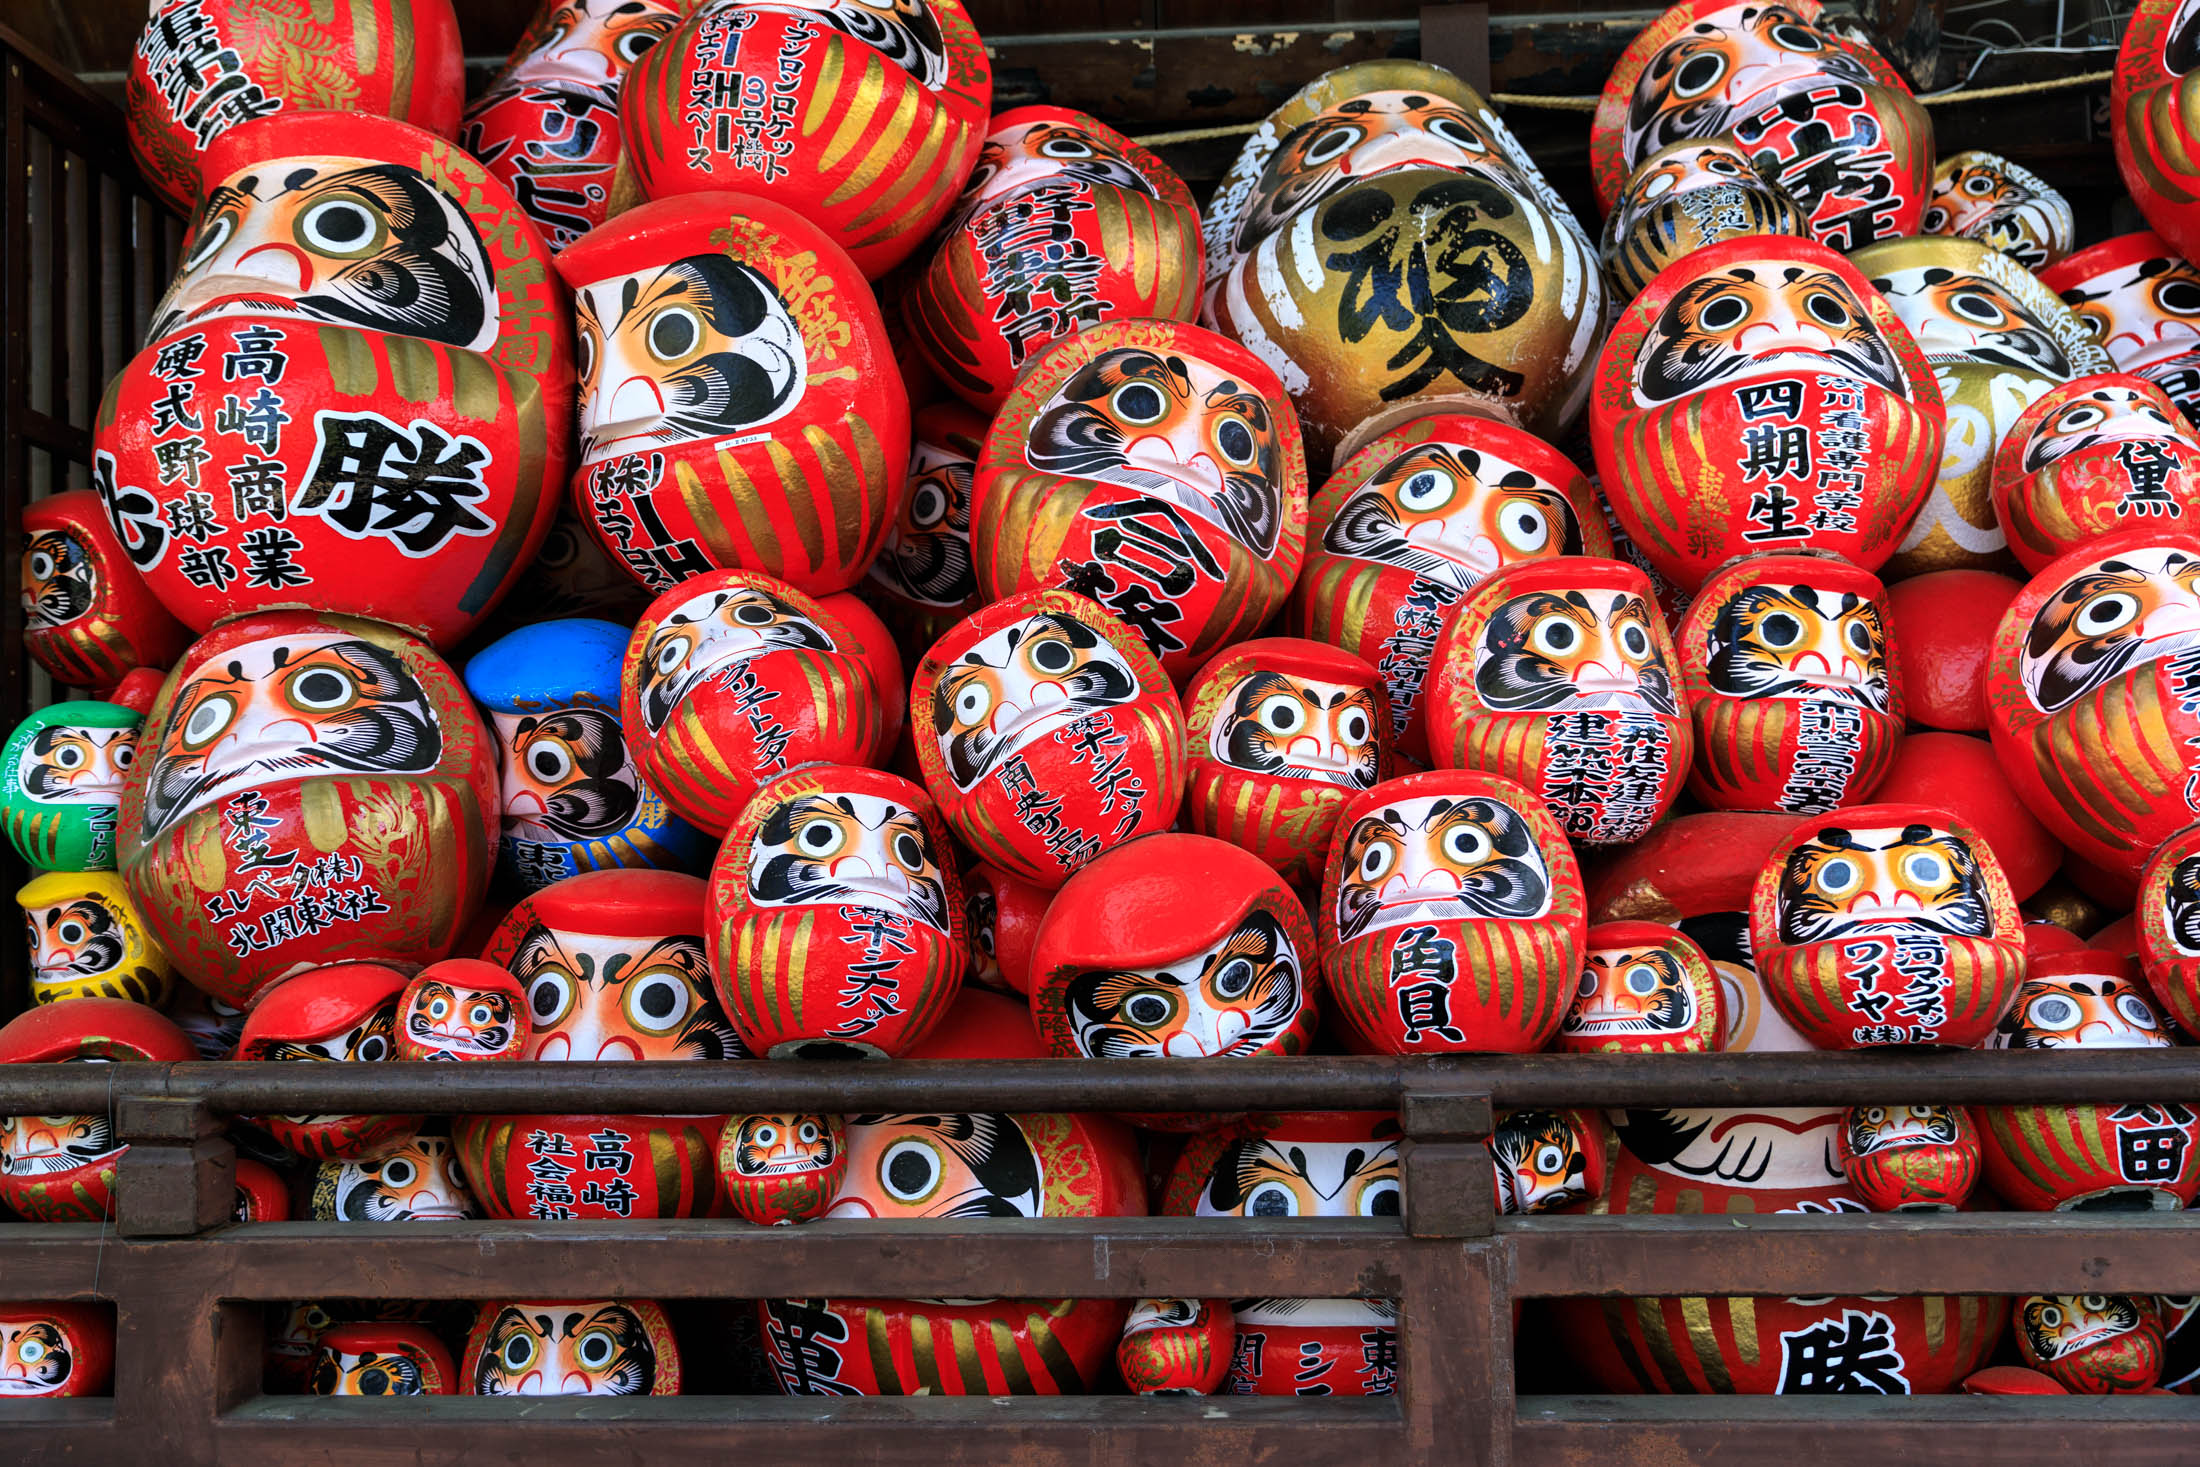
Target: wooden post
column 1448, row 1177
column 1457, row 38
column 179, row 1175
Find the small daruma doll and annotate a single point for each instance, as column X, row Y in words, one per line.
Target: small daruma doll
column 88, row 616
column 2091, row 458
column 732, row 679
column 2169, row 927
column 1411, row 522
column 53, row 1350
column 1053, row 734
column 2086, row 700
column 1452, row 917
column 1064, row 223
column 740, row 406
column 356, row 394
column 1175, row 947
column 1793, row 684
column 1545, row 1160
column 1281, row 732
column 547, row 126
column 892, row 95
column 835, row 916
column 1561, row 676
column 1760, row 395
column 381, row 1359
column 1300, row 1165
column 62, row 1168
column 573, row 799
column 1910, row 1158
column 462, row 1009
column 597, row 1347
column 1153, row 467
column 417, row 1182
column 1685, row 196
column 2140, row 1155
column 1645, row 989
column 1984, row 196
column 61, row 777
column 782, row 1168
column 310, row 788
column 347, row 1011
column 1887, row 924
column 1177, row 1347
column 87, row 941
column 2093, row 1344
column 923, row 580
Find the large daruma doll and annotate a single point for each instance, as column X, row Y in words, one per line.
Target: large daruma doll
column 863, row 116
column 2089, row 695
column 308, row 789
column 1560, row 675
column 740, row 406
column 1053, row 734
column 1760, row 395
column 835, row 916
column 1793, row 685
column 356, row 394
column 1887, row 925
column 1155, row 468
column 2154, row 103
column 1452, row 917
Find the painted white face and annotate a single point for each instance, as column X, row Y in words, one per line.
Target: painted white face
column 1761, row 318
column 1955, row 313
column 1153, row 1314
column 2142, row 313
column 568, row 775
column 36, row 1357
column 835, row 849
column 448, row 1019
column 939, row 1166
column 592, row 997
column 1020, row 684
column 347, row 241
column 2142, row 606
column 1283, row 1314
column 70, row 765
column 1278, row 1176
column 285, row 708
column 701, row 348
column 592, row 43
column 1298, row 728
column 905, row 32
column 1787, row 1150
column 712, row 635
column 1632, row 991
column 1554, row 652
column 1853, row 883
column 2081, row 1011
column 1233, row 998
column 79, row 940
column 1799, row 642
column 1750, row 53
column 2101, row 415
column 36, row 1146
column 419, row 1182
column 1440, row 859
column 1016, row 158
column 1453, row 514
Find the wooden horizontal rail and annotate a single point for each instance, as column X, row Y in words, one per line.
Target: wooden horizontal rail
column 1312, row 1083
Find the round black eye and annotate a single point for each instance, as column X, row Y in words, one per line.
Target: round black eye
column 518, row 1352
column 374, row 1381
column 1723, row 313
column 321, row 690
column 42, row 566
column 1978, row 185
column 1272, row 1199
column 820, row 838
column 372, row 1048
column 125, row 754
column 398, row 1173
column 1698, row 74
column 658, row 1002
column 1332, row 145
column 1380, row 1200
column 2054, row 1013
column 549, row 996
column 1936, row 220
column 73, row 932
column 927, row 507
column 1976, row 306
column 911, row 1171
column 1147, row 1009
column 634, row 45
column 550, row 763
column 1554, row 635
column 1634, row 640
column 1280, row 714
column 2180, row 297
column 1354, row 727
column 674, row 334
column 1236, row 442
column 1796, row 38
column 2135, row 1011
column 2109, row 612
column 1140, row 403
column 1642, row 981
column 1827, row 311
column 909, row 851
column 1780, row 630
column 1457, row 133
column 211, row 239
column 1064, row 148
column 584, row 353
column 335, row 226
column 596, row 1349
column 753, row 614
column 2080, row 418
column 68, row 756
column 1235, row 980
column 1860, row 636
column 1052, row 655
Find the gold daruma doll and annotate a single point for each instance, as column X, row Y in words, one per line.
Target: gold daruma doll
column 1887, row 925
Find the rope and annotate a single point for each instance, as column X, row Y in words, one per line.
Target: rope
column 1589, row 104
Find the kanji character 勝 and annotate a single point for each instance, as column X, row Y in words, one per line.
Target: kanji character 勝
column 415, row 486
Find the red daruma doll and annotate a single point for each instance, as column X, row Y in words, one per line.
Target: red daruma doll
column 1048, row 733
column 1646, row 989
column 1452, row 919
column 1282, row 732
column 734, row 678
column 1155, row 468
column 2090, row 458
column 2169, row 927
column 1887, row 924
column 875, row 112
column 1759, row 395
column 356, row 394
column 307, row 789
column 87, row 615
column 835, row 917
column 1064, row 223
column 344, row 1012
column 2151, row 102
column 2093, row 695
column 1560, row 675
column 1411, row 522
column 1793, row 685
column 740, row 406
column 62, row 1168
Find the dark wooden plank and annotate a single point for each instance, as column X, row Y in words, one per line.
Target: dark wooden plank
column 1888, row 1253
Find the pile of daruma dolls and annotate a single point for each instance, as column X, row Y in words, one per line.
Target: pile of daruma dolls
column 727, row 551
